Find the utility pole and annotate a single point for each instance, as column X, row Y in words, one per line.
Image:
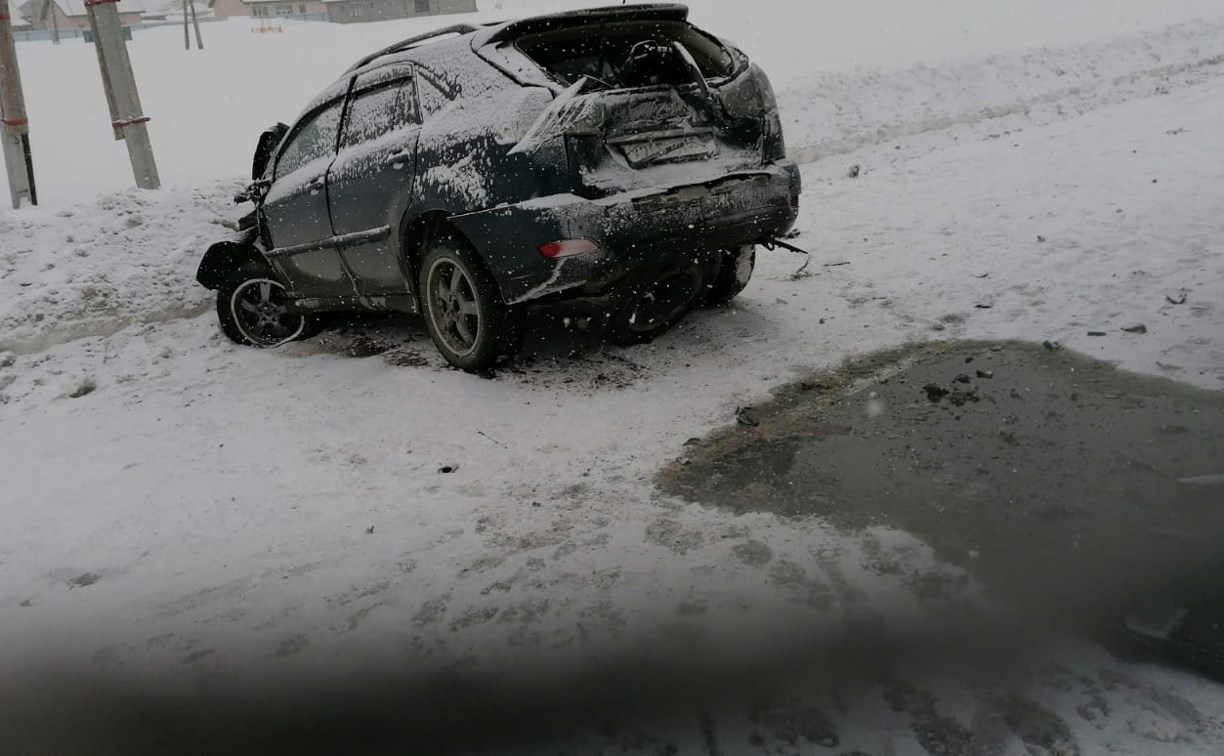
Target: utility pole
column 14, row 126
column 48, row 9
column 118, row 81
column 195, row 22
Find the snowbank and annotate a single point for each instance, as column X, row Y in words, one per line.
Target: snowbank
column 104, row 265
column 833, row 112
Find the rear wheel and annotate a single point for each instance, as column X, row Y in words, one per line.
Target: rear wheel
column 252, row 307
column 463, row 310
column 734, row 271
column 653, row 305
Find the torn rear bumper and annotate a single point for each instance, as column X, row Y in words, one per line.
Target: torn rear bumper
column 634, row 230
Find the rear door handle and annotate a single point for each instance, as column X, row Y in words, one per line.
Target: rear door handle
column 397, row 161
column 315, row 187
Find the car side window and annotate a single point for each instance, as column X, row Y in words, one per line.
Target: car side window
column 312, row 139
column 378, row 111
column 433, row 98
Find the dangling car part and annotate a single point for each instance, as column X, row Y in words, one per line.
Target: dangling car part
column 617, row 154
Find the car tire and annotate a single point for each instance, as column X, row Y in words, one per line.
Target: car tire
column 652, row 305
column 251, row 309
column 463, row 310
column 734, row 272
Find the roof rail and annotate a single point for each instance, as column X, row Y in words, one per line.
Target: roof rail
column 406, row 43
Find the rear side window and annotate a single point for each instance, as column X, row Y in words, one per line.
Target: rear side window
column 378, row 111
column 433, row 97
column 601, row 51
column 314, row 137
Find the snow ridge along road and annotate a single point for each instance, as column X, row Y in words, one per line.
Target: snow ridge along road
column 837, row 112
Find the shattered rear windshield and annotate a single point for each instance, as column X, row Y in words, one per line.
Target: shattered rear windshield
column 600, row 51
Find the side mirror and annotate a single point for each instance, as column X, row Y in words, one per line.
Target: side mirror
column 266, row 148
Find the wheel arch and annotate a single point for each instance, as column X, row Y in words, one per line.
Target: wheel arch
column 225, row 256
column 417, row 232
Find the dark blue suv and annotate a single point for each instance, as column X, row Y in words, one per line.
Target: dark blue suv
column 621, row 155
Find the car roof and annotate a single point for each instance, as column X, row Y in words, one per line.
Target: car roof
column 453, row 46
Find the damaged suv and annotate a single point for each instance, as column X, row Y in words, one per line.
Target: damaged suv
column 620, row 154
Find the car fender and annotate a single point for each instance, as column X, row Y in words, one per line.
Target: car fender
column 224, row 256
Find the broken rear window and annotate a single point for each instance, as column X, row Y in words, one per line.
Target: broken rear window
column 603, row 51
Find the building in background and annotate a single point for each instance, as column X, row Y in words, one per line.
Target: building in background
column 229, row 8
column 360, row 11
column 17, row 17
column 312, row 10
column 70, row 14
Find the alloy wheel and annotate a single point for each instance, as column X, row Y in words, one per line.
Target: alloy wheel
column 454, row 306
column 259, row 308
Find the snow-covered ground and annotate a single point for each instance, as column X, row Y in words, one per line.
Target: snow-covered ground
column 177, row 508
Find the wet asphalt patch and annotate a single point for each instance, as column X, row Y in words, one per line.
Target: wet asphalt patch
column 1065, row 486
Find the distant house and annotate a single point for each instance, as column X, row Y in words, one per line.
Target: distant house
column 313, row 9
column 229, row 8
column 17, row 17
column 70, row 14
column 359, row 11
column 174, row 11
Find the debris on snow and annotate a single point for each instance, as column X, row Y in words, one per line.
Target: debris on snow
column 1136, row 328
column 935, row 392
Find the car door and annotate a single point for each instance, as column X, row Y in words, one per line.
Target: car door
column 295, row 210
column 370, row 184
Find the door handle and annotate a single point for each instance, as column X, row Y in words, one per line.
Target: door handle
column 315, row 187
column 397, row 161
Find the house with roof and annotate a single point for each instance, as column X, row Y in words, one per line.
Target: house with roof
column 310, row 9
column 16, row 17
column 359, row 11
column 71, row 14
column 229, row 8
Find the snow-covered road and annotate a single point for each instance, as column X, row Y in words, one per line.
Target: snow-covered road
column 179, row 509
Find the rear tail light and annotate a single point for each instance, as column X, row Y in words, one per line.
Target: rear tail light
column 567, row 248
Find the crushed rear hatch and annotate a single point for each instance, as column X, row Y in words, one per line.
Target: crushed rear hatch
column 643, row 97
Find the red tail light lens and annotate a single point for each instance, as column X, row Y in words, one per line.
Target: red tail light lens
column 567, row 248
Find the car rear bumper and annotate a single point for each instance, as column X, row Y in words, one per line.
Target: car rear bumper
column 633, row 230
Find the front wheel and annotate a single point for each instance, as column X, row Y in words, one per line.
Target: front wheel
column 463, row 310
column 252, row 307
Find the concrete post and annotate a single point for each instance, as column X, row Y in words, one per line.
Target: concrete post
column 14, row 127
column 127, row 116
